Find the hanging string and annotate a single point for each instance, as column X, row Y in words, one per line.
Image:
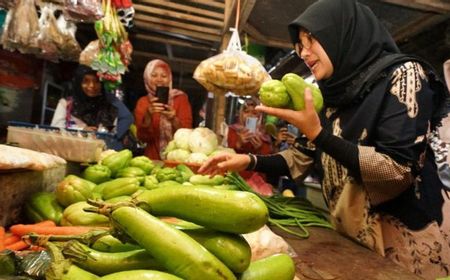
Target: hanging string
column 238, row 12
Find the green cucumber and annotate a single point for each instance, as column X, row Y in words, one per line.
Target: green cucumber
column 76, row 273
column 140, row 275
column 175, row 250
column 102, row 263
column 278, row 266
column 222, row 210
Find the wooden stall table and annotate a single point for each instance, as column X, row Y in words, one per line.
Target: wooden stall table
column 328, row 255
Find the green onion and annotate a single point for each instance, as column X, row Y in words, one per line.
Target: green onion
column 287, row 211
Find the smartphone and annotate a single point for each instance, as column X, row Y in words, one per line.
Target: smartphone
column 163, row 94
column 292, row 129
column 250, row 124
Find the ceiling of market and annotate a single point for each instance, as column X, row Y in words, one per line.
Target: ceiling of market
column 185, row 32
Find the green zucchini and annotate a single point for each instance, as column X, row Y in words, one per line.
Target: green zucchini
column 76, row 273
column 102, row 263
column 278, row 266
column 222, row 210
column 232, row 249
column 109, row 243
column 140, row 275
column 175, row 250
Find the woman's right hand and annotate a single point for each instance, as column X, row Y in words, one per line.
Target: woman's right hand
column 155, row 106
column 222, row 163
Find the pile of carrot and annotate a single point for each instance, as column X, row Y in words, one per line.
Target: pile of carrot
column 12, row 240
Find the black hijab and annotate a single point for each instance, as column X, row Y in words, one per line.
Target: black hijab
column 91, row 110
column 352, row 37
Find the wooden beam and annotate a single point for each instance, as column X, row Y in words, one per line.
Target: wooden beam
column 192, row 34
column 436, row 6
column 246, row 10
column 188, row 65
column 178, row 15
column 210, row 3
column 168, row 5
column 261, row 39
column 175, row 42
column 178, row 24
column 230, row 10
column 415, row 27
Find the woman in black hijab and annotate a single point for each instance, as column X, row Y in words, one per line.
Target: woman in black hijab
column 89, row 107
column 373, row 144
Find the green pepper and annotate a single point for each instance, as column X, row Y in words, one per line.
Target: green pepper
column 132, row 172
column 185, row 171
column 43, row 206
column 143, row 163
column 150, row 182
column 117, row 161
column 273, row 93
column 74, row 215
column 73, row 189
column 167, row 174
column 207, row 180
column 295, row 86
column 97, row 173
column 119, row 187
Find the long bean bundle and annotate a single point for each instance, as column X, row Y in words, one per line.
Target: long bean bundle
column 287, row 212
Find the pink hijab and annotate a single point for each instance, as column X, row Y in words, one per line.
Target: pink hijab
column 165, row 126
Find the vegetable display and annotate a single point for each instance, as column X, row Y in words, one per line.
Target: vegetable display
column 128, row 225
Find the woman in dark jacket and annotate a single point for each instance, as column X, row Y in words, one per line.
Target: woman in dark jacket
column 373, row 144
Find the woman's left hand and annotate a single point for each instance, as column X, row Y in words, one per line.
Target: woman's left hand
column 256, row 141
column 307, row 120
column 169, row 112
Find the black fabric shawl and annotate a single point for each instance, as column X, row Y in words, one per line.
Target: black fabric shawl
column 352, row 37
column 91, row 110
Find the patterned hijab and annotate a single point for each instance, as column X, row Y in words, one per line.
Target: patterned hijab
column 91, row 110
column 165, row 126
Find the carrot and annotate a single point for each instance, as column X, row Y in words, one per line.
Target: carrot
column 19, row 245
column 52, row 230
column 47, row 223
column 2, row 238
column 11, row 239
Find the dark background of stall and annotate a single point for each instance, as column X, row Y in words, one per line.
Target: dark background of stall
column 186, row 32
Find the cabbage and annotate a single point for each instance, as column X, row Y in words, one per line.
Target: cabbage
column 181, row 138
column 197, row 158
column 223, row 150
column 179, row 155
column 170, row 147
column 203, row 140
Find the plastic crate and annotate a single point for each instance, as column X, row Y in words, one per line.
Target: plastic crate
column 72, row 146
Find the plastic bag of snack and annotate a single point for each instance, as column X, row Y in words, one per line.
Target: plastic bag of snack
column 70, row 49
column 83, row 10
column 233, row 70
column 49, row 38
column 22, row 28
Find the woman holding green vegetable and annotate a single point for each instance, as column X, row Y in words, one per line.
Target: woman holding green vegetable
column 370, row 144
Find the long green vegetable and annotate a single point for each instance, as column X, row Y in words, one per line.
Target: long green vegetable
column 287, row 211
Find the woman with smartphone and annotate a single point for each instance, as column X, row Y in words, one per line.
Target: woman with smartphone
column 162, row 111
column 247, row 135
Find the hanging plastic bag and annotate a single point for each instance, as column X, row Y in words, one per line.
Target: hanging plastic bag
column 49, row 38
column 22, row 28
column 89, row 53
column 83, row 10
column 233, row 70
column 69, row 49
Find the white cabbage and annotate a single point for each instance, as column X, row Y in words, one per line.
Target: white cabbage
column 181, row 138
column 179, row 155
column 197, row 158
column 203, row 140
